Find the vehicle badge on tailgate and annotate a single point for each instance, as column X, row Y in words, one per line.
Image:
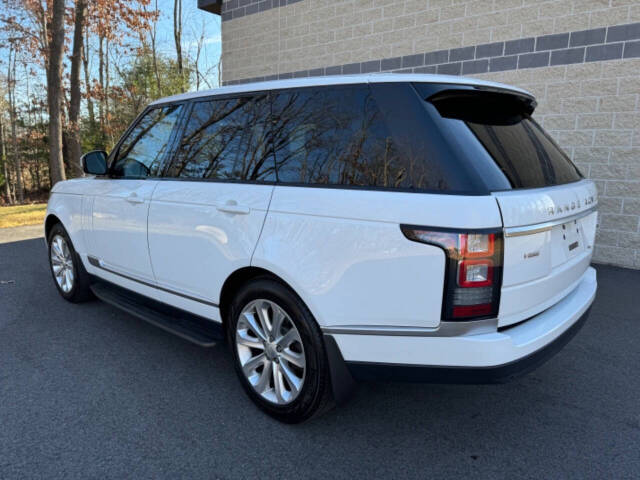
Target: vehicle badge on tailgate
column 571, row 206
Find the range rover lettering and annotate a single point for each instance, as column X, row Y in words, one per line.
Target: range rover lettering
column 403, row 227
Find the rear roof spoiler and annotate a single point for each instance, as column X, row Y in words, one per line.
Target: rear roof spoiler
column 434, row 92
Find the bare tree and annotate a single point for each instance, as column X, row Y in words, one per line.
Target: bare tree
column 199, row 46
column 3, row 157
column 202, row 76
column 17, row 161
column 177, row 36
column 87, row 77
column 154, row 51
column 54, row 92
column 75, row 147
column 101, row 112
column 107, row 89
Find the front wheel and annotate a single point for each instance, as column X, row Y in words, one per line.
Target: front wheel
column 278, row 351
column 69, row 275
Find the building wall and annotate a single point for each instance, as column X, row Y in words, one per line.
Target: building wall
column 581, row 59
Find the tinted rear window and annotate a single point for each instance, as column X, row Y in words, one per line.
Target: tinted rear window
column 523, row 151
column 339, row 136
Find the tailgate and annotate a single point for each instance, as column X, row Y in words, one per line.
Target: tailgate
column 548, row 243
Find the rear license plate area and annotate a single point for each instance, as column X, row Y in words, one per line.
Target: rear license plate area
column 571, row 237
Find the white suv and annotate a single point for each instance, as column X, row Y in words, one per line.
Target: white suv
column 330, row 229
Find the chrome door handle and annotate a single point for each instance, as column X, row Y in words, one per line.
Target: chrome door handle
column 134, row 198
column 232, row 207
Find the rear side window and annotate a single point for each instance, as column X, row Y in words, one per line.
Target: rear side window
column 142, row 151
column 226, row 139
column 339, row 136
column 525, row 154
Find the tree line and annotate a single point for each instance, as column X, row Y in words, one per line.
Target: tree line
column 73, row 75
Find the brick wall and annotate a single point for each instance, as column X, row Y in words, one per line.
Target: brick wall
column 580, row 58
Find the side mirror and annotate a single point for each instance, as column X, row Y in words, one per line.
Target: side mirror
column 95, row 163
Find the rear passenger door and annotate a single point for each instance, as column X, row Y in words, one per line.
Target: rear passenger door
column 207, row 212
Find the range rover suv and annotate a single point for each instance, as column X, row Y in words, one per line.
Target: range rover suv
column 404, row 227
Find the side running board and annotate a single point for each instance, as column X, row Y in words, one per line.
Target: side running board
column 193, row 328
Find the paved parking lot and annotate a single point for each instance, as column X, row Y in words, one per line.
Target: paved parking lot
column 87, row 391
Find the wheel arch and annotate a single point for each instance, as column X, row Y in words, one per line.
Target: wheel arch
column 49, row 222
column 237, row 279
column 68, row 211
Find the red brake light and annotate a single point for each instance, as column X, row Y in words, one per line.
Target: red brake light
column 472, row 310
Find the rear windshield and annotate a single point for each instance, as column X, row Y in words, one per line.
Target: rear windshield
column 523, row 151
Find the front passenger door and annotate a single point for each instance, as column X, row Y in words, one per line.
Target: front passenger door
column 121, row 205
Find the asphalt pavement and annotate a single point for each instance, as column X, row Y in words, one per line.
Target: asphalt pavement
column 87, row 391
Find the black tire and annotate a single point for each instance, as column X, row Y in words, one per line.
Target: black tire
column 315, row 397
column 80, row 291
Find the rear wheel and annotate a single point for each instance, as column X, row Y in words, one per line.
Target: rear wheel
column 69, row 275
column 278, row 351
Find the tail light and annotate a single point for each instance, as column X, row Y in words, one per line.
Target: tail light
column 473, row 271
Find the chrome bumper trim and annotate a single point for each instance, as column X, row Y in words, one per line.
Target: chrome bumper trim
column 445, row 329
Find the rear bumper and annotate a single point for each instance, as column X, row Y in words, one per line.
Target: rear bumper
column 493, row 374
column 483, row 358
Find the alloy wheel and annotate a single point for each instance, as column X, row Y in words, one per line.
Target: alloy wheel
column 62, row 263
column 270, row 351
